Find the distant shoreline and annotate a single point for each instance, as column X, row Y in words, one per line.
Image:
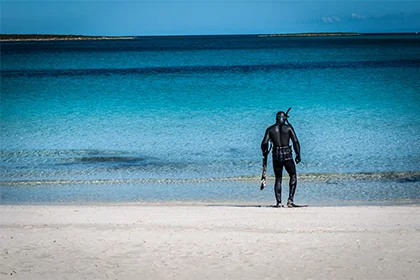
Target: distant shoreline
column 52, row 37
column 37, row 37
column 312, row 34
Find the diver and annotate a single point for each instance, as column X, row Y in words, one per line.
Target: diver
column 280, row 134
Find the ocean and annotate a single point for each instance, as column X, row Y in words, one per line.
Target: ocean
column 181, row 119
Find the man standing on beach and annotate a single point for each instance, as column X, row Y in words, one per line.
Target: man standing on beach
column 280, row 134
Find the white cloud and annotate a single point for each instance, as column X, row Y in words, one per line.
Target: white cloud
column 358, row 17
column 352, row 17
column 330, row 19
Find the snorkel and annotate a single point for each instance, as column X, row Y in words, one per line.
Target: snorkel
column 287, row 115
column 282, row 116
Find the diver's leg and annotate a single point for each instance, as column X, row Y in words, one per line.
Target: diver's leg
column 278, row 171
column 291, row 169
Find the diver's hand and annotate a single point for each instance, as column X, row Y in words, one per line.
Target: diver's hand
column 297, row 159
column 265, row 153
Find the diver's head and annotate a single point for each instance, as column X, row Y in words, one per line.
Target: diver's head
column 281, row 117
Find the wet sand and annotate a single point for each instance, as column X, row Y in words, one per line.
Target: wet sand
column 209, row 242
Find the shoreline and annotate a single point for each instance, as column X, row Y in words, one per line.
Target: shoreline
column 41, row 38
column 214, row 204
column 53, row 37
column 317, row 190
column 319, row 34
column 195, row 242
column 304, row 177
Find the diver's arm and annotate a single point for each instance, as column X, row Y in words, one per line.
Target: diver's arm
column 264, row 143
column 296, row 145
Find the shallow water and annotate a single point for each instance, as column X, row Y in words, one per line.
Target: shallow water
column 188, row 108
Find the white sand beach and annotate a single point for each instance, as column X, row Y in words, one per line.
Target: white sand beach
column 209, row 242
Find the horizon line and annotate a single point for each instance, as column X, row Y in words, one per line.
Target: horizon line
column 230, row 34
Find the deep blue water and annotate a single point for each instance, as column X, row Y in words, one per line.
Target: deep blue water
column 182, row 118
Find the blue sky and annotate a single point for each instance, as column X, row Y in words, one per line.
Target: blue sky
column 192, row 17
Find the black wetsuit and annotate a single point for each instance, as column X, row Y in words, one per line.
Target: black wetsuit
column 280, row 135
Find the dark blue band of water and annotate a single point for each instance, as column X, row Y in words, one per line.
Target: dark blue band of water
column 412, row 63
column 217, row 42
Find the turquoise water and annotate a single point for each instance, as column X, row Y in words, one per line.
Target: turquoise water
column 182, row 118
